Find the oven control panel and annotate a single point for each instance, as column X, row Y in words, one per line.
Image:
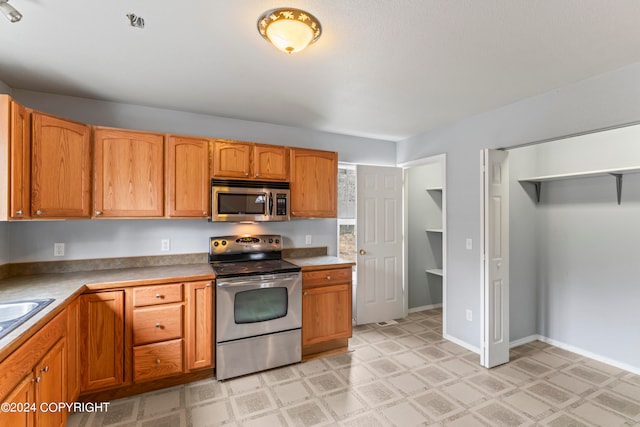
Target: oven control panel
column 245, row 243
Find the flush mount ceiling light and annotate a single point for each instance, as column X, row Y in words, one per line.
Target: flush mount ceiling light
column 289, row 29
column 9, row 11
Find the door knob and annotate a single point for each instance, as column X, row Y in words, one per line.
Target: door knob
column 362, row 252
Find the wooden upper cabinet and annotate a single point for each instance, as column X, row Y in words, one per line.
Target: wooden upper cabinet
column 188, row 178
column 314, row 189
column 231, row 159
column 270, row 162
column 247, row 160
column 60, row 167
column 17, row 161
column 129, row 173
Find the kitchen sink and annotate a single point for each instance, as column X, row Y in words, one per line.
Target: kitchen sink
column 14, row 313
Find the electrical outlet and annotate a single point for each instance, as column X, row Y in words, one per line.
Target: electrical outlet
column 469, row 315
column 165, row 245
column 307, row 239
column 469, row 244
column 58, row 249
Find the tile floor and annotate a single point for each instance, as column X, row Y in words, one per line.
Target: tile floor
column 398, row 375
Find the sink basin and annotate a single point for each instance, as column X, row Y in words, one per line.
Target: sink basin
column 14, row 313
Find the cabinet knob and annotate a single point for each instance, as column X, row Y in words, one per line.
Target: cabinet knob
column 328, row 277
column 98, row 213
column 305, row 294
column 293, row 214
column 246, row 174
column 158, row 325
column 157, row 361
column 257, row 175
column 362, row 252
column 205, row 214
column 19, row 212
column 36, row 380
column 38, row 212
column 45, row 369
column 158, row 296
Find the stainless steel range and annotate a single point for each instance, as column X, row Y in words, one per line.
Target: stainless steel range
column 258, row 305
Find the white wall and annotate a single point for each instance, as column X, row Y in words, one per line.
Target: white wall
column 606, row 100
column 4, row 88
column 33, row 240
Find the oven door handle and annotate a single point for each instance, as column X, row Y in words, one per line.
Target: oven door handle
column 265, row 280
column 270, row 204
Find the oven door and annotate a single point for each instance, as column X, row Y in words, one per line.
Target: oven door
column 249, row 306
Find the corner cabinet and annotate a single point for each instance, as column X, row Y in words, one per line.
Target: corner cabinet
column 314, row 188
column 129, row 173
column 326, row 310
column 187, row 177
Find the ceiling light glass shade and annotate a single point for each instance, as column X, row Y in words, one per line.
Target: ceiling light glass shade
column 9, row 11
column 288, row 29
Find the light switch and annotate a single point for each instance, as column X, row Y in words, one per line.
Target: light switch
column 469, row 244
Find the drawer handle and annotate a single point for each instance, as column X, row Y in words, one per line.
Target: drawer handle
column 158, row 296
column 157, row 361
column 158, row 325
column 45, row 369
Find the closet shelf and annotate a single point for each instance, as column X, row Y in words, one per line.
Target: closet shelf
column 434, row 230
column 616, row 173
column 434, row 188
column 436, row 271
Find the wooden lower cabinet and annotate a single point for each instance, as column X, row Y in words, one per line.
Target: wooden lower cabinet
column 102, row 336
column 326, row 310
column 140, row 338
column 34, row 377
column 200, row 315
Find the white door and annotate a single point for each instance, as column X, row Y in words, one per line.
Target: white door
column 495, row 258
column 379, row 285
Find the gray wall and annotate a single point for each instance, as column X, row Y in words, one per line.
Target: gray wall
column 586, row 261
column 33, row 241
column 424, row 250
column 606, row 100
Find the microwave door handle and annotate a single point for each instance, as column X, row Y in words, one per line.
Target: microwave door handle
column 270, row 204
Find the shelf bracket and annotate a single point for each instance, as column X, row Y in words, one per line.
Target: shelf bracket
column 538, row 186
column 618, row 177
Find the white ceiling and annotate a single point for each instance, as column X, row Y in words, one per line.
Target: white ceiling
column 386, row 69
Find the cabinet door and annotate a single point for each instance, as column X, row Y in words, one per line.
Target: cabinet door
column 51, row 386
column 314, row 188
column 231, row 159
column 129, row 173
column 20, row 169
column 102, row 337
column 60, row 168
column 188, row 180
column 199, row 325
column 270, row 162
column 24, row 393
column 326, row 313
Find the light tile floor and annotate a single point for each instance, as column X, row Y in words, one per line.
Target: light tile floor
column 398, row 375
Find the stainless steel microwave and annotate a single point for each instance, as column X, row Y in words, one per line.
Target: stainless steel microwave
column 236, row 201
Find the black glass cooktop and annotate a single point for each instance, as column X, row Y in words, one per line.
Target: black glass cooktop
column 247, row 268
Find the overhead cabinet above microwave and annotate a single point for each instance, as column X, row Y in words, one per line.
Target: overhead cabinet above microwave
column 247, row 160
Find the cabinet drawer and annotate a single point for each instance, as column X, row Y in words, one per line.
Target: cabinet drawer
column 326, row 277
column 158, row 294
column 159, row 360
column 158, row 323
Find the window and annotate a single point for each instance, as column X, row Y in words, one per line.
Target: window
column 347, row 212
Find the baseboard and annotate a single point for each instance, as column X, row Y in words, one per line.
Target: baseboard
column 424, row 307
column 525, row 340
column 590, row 355
column 461, row 343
